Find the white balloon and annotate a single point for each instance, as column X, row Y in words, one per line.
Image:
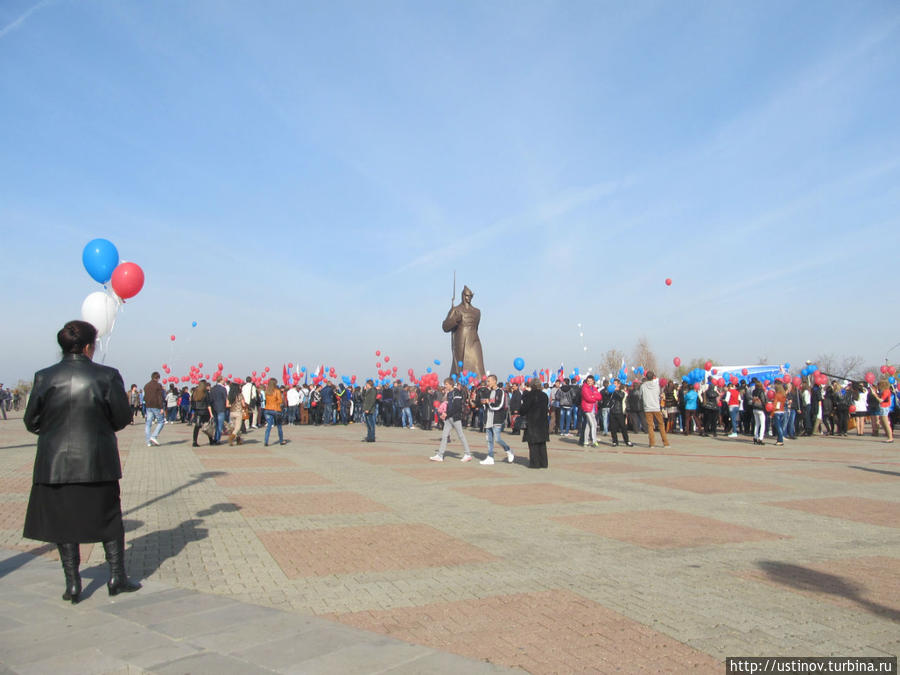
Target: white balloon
column 100, row 310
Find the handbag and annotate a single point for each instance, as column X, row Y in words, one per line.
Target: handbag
column 210, row 428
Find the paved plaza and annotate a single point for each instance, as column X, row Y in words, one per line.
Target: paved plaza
column 327, row 555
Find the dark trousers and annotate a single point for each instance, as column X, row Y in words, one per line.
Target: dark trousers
column 690, row 416
column 370, row 426
column 637, row 421
column 710, row 421
column 616, row 424
column 537, row 455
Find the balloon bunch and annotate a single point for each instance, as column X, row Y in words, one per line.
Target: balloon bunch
column 101, row 260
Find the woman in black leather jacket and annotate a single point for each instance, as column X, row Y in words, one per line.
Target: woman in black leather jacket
column 75, row 408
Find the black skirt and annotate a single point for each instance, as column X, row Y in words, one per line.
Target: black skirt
column 74, row 513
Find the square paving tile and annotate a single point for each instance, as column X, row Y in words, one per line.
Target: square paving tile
column 271, row 479
column 857, row 509
column 665, row 529
column 606, row 467
column 545, row 632
column 306, row 504
column 710, row 485
column 307, row 553
column 357, row 448
column 870, row 584
column 530, row 493
column 733, row 461
column 440, row 472
column 212, row 464
column 216, row 451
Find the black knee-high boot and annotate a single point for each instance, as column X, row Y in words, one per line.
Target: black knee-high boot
column 70, row 556
column 115, row 556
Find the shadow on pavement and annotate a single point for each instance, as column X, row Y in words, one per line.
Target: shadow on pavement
column 199, row 478
column 805, row 579
column 870, row 470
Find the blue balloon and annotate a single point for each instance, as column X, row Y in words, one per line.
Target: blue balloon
column 193, row 324
column 892, row 379
column 611, row 388
column 459, row 364
column 787, row 366
column 428, row 369
column 518, row 363
column 303, row 369
column 100, row 258
column 437, row 362
column 813, row 369
column 576, row 371
column 684, row 378
column 453, row 375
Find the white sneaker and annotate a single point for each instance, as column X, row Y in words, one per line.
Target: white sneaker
column 510, row 457
column 466, row 458
column 732, row 435
column 154, row 441
column 487, row 460
column 436, row 458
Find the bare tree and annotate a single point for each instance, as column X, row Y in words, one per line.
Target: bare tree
column 846, row 367
column 610, row 363
column 644, row 356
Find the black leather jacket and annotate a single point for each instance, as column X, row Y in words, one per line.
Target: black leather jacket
column 76, row 407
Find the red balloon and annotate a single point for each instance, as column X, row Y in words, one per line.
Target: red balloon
column 720, row 382
column 127, row 280
column 883, row 370
column 200, row 365
column 852, row 409
column 797, row 381
column 744, row 372
column 770, row 406
column 377, row 352
column 253, row 373
column 668, row 282
column 696, row 386
column 870, row 377
column 290, row 365
column 770, row 394
column 219, row 366
column 165, row 366
column 378, row 365
column 387, row 359
column 172, row 338
column 707, row 365
column 676, row 361
column 891, row 370
column 267, row 369
column 715, row 371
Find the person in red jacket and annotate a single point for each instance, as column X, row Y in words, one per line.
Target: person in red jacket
column 589, row 398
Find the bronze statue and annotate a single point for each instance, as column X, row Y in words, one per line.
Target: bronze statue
column 462, row 320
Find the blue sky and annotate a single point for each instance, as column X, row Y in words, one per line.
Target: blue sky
column 302, row 179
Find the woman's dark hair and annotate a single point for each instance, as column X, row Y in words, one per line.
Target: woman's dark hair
column 75, row 335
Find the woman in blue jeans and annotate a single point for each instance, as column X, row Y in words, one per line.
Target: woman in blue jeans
column 272, row 411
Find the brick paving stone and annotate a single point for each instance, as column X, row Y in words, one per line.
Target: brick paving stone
column 858, row 509
column 664, row 529
column 343, row 550
column 710, row 485
column 607, row 467
column 442, row 473
column 546, row 632
column 848, row 474
column 17, row 485
column 869, row 584
column 530, row 493
column 281, row 504
column 271, row 479
column 225, row 463
column 359, row 447
column 12, row 515
column 388, row 459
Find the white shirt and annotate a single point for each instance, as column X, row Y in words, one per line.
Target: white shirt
column 293, row 397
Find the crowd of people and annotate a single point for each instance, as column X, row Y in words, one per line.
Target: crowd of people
column 585, row 410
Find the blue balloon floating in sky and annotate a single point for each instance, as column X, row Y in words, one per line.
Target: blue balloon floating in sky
column 193, row 324
column 519, row 363
column 100, row 258
column 437, row 362
column 459, row 364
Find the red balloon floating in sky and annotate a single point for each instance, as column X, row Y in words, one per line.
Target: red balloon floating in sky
column 172, row 338
column 668, row 282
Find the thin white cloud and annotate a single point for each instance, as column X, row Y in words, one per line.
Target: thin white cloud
column 17, row 23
